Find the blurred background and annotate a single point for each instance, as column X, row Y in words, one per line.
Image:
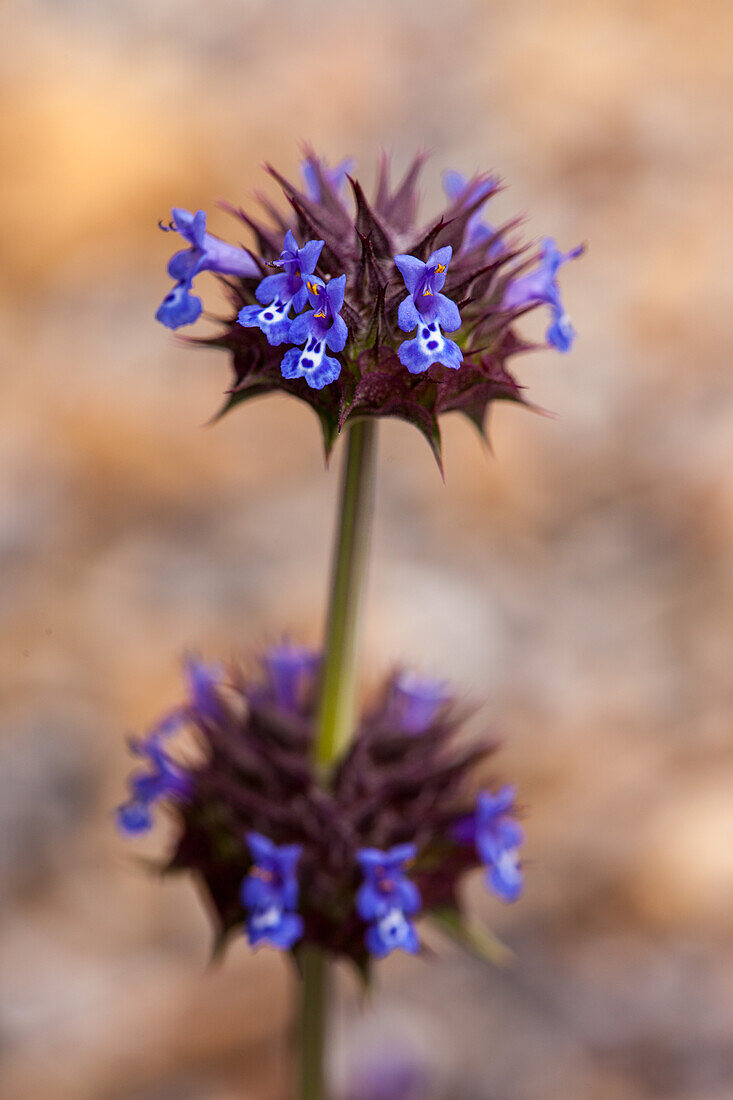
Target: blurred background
column 580, row 580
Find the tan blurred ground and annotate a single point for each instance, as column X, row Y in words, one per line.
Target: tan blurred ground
column 581, row 581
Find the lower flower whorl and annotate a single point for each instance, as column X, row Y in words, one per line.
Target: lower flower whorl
column 348, row 866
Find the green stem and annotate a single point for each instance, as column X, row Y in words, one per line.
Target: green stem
column 314, row 990
column 336, row 711
column 351, row 550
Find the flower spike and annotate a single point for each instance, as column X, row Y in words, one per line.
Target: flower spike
column 288, row 860
column 372, row 240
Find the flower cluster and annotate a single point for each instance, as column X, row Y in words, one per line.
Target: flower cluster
column 348, row 867
column 367, row 275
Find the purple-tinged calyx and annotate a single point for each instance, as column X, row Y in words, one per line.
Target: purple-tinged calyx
column 270, row 893
column 206, row 253
column 279, row 294
column 415, row 701
column 163, row 779
column 428, row 310
column 387, row 899
column 318, row 328
column 291, row 672
column 541, row 285
column 497, row 836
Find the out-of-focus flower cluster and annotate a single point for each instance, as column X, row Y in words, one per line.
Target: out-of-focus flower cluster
column 350, row 864
column 365, row 294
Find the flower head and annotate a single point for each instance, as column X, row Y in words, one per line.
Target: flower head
column 287, row 858
column 319, row 328
column 270, row 893
column 541, row 286
column 416, row 701
column 387, row 898
column 281, row 293
column 206, row 253
column 456, row 270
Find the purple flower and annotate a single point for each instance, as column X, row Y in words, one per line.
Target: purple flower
column 318, row 328
column 497, row 836
column 426, row 309
column 163, row 779
column 291, row 671
column 270, row 893
column 386, row 899
column 202, row 683
column 207, row 253
column 282, row 292
column 415, row 701
column 334, row 177
column 478, row 232
column 390, row 1071
column 541, row 285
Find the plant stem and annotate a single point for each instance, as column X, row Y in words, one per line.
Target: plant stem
column 314, row 996
column 335, row 723
column 351, row 550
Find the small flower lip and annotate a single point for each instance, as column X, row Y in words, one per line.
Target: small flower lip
column 179, row 307
column 375, row 861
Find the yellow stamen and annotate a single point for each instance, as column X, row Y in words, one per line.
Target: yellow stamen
column 319, row 314
column 440, row 269
column 428, row 292
column 261, row 873
column 312, row 287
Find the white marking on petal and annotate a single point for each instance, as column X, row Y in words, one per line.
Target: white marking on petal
column 266, row 918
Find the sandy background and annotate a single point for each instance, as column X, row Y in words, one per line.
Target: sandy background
column 581, row 581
